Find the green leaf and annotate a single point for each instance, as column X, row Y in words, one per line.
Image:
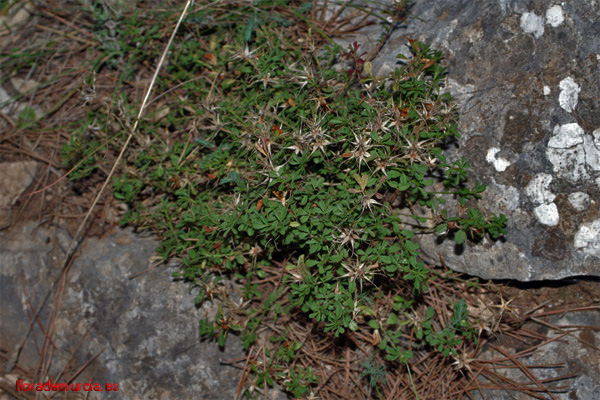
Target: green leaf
column 353, row 326
column 314, row 247
column 441, row 228
column 335, row 258
column 419, row 334
column 374, row 324
column 258, row 224
column 460, row 237
column 407, row 234
column 411, row 246
column 392, row 319
column 221, row 339
column 393, row 174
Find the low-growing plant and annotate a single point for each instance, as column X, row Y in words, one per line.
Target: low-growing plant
column 374, row 372
column 296, row 171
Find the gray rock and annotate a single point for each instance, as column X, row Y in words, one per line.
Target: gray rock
column 145, row 328
column 15, row 178
column 576, row 352
column 17, row 15
column 526, row 75
column 10, row 106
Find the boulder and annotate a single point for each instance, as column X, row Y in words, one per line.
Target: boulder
column 526, row 75
column 145, row 329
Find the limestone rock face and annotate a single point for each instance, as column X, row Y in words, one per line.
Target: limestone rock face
column 145, row 329
column 526, row 75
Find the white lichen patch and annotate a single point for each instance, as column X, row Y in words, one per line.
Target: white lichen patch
column 566, row 136
column 461, row 92
column 491, row 154
column 554, row 16
column 532, row 23
column 587, row 238
column 592, row 150
column 574, row 155
column 579, row 200
column 499, row 163
column 569, row 94
column 546, row 90
column 568, row 163
column 507, row 196
column 547, row 214
column 542, row 198
column 538, row 191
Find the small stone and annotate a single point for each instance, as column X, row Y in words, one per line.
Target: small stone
column 4, row 100
column 14, row 179
column 23, row 85
column 17, row 15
